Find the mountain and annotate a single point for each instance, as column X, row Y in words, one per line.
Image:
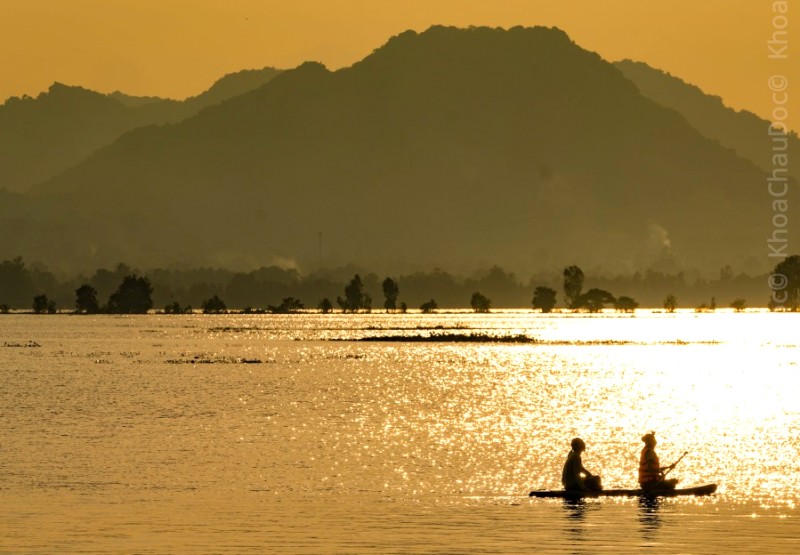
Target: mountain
column 456, row 148
column 230, row 86
column 41, row 137
column 743, row 131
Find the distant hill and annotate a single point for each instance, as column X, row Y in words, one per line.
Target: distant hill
column 456, row 148
column 230, row 86
column 41, row 137
column 742, row 131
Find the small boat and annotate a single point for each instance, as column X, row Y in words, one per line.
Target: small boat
column 699, row 489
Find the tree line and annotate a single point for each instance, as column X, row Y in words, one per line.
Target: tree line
column 277, row 290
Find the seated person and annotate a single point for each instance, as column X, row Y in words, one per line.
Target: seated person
column 651, row 474
column 575, row 477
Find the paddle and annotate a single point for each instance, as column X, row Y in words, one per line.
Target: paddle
column 673, row 465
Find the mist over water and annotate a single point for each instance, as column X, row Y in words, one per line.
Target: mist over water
column 156, row 434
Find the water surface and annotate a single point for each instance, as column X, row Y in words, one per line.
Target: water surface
column 156, row 434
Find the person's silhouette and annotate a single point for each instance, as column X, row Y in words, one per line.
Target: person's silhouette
column 651, row 474
column 574, row 476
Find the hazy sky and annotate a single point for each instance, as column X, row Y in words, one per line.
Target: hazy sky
column 177, row 48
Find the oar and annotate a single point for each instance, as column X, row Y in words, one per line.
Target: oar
column 673, row 465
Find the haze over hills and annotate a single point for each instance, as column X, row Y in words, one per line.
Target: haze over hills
column 41, row 137
column 458, row 148
column 742, row 131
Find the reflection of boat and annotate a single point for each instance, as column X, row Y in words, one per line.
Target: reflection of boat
column 699, row 489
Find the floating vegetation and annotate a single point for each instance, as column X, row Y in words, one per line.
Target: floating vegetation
column 481, row 337
column 618, row 342
column 346, row 356
column 203, row 359
column 234, row 329
column 28, row 345
column 453, row 338
column 255, row 329
column 419, row 327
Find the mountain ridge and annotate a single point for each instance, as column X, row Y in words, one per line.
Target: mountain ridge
column 451, row 147
column 41, row 137
column 741, row 130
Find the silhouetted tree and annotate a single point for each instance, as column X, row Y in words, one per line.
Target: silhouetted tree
column 4, row 309
column 626, row 304
column 713, row 305
column 355, row 297
column 403, row 307
column 428, row 307
column 670, row 303
column 785, row 283
column 544, row 299
column 480, row 303
column 739, row 305
column 176, row 308
column 134, row 296
column 43, row 305
column 86, row 300
column 325, row 306
column 104, row 281
column 390, row 292
column 16, row 283
column 214, row 305
column 594, row 300
column 573, row 285
column 287, row 306
column 40, row 304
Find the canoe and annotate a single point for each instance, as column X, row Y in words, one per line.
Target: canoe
column 699, row 489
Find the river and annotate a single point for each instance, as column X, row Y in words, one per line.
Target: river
column 283, row 434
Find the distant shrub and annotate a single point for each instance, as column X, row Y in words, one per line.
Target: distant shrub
column 789, row 273
column 390, row 292
column 325, row 306
column 573, row 285
column 43, row 305
column 176, row 308
column 739, row 305
column 626, row 304
column 214, row 305
column 355, row 298
column 287, row 306
column 428, row 307
column 133, row 296
column 594, row 300
column 86, row 300
column 670, row 303
column 544, row 299
column 480, row 303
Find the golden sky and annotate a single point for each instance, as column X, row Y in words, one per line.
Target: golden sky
column 177, row 48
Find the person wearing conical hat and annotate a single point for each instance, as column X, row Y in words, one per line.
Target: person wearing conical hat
column 651, row 473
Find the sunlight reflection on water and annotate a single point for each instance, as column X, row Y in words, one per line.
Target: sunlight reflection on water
column 258, row 415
